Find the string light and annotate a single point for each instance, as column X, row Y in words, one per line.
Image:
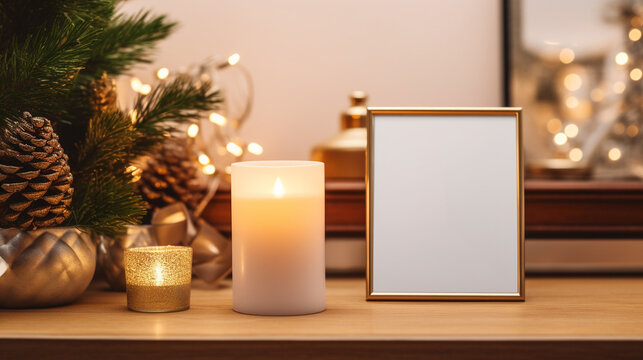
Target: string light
column 619, row 128
column 560, row 139
column 596, row 94
column 575, row 154
column 621, row 58
column 566, row 56
column 255, row 148
column 632, row 130
column 614, row 154
column 218, row 119
column 571, row 102
column 204, row 159
column 193, row 130
column 234, row 149
column 571, row 130
column 634, row 34
column 636, row 21
column 221, row 148
column 618, row 87
column 234, row 59
column 145, row 89
column 636, row 74
column 133, row 115
column 554, row 125
column 573, row 82
column 136, row 84
column 163, row 73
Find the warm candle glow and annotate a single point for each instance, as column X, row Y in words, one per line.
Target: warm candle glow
column 158, row 278
column 278, row 189
column 278, row 237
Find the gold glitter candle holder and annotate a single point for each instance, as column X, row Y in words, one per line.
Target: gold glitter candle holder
column 158, row 278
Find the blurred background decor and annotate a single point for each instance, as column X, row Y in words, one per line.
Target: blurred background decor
column 576, row 69
column 344, row 154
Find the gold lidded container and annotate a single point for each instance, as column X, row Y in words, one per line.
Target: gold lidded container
column 345, row 153
column 158, row 278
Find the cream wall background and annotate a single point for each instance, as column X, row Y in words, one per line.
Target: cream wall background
column 306, row 56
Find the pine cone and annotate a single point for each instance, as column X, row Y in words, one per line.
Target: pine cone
column 103, row 93
column 35, row 179
column 172, row 176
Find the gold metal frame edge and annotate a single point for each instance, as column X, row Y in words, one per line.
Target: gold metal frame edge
column 490, row 111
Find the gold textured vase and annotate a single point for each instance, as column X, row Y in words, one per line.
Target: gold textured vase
column 45, row 267
column 345, row 153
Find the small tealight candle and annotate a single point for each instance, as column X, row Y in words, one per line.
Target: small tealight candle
column 158, row 278
column 278, row 237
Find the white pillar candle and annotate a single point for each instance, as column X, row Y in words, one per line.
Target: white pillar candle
column 278, row 237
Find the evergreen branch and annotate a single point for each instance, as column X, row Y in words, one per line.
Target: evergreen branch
column 105, row 198
column 166, row 106
column 22, row 19
column 106, row 204
column 126, row 41
column 106, row 146
column 36, row 73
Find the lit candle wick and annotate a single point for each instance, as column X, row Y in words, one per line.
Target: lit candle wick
column 159, row 276
column 278, row 189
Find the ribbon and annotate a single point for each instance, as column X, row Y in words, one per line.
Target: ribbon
column 212, row 252
column 3, row 266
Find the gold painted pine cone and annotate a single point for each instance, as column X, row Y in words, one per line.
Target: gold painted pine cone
column 35, row 179
column 46, row 267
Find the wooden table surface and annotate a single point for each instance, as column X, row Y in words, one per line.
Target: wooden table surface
column 581, row 317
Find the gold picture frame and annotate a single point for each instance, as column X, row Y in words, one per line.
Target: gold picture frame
column 519, row 293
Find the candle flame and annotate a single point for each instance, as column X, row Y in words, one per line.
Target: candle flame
column 159, row 276
column 278, row 189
